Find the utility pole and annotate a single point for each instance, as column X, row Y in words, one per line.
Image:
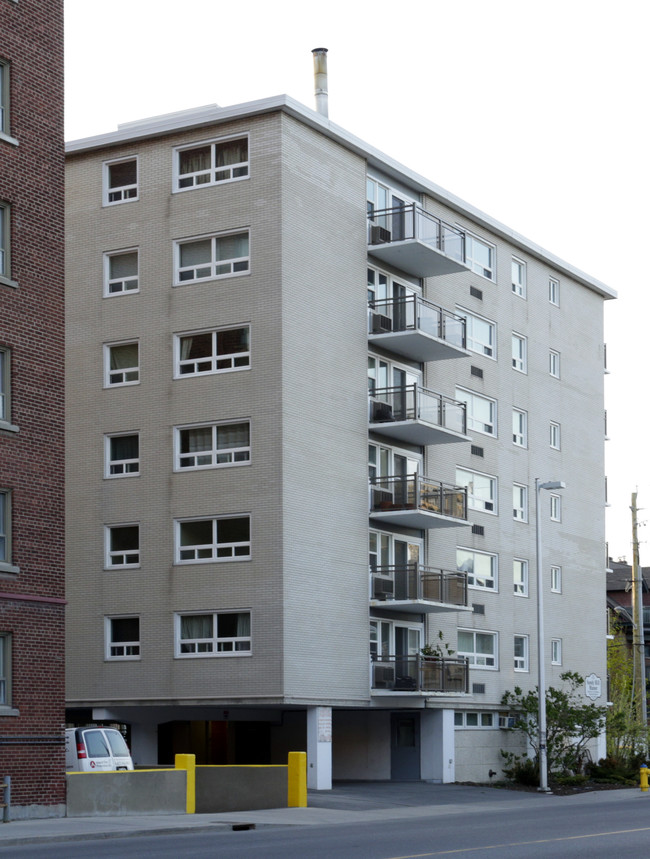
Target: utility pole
column 638, row 634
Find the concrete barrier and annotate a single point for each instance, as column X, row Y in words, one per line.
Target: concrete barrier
column 126, row 792
column 240, row 788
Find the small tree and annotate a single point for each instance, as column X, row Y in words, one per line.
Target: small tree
column 570, row 723
column 627, row 738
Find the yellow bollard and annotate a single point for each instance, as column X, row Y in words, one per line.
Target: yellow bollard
column 297, row 780
column 644, row 777
column 188, row 763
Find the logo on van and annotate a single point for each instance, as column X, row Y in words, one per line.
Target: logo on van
column 92, row 764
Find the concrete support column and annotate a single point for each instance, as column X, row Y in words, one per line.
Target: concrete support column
column 437, row 746
column 319, row 748
column 144, row 743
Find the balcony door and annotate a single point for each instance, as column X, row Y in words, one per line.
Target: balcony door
column 407, row 556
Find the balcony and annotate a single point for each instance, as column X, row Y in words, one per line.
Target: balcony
column 416, row 588
column 411, row 501
column 416, row 329
column 415, row 241
column 420, row 674
column 415, row 415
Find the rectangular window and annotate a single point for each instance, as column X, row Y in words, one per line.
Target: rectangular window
column 122, row 455
column 481, row 489
column 520, row 428
column 5, row 669
column 4, row 97
column 520, row 502
column 215, row 539
column 122, row 546
column 210, row 257
column 472, row 719
column 519, row 353
column 554, row 363
column 122, row 636
column 556, row 507
column 5, row 527
column 223, row 633
column 481, row 334
column 218, row 351
column 520, row 577
column 121, row 364
column 518, row 277
column 554, row 291
column 5, row 233
column 211, row 163
column 121, row 272
column 481, row 568
column 480, row 256
column 521, row 652
column 556, row 580
column 556, row 651
column 212, row 445
column 5, row 386
column 480, row 648
column 120, row 181
column 481, row 412
column 554, row 435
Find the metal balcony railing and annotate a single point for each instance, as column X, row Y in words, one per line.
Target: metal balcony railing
column 415, row 403
column 420, row 674
column 401, row 223
column 411, row 491
column 413, row 313
column 418, row 582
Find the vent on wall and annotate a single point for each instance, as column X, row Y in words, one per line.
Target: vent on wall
column 478, row 608
column 478, row 529
column 476, row 293
column 478, row 688
column 477, row 451
column 476, row 371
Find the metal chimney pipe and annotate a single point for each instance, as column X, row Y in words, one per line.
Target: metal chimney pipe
column 320, row 79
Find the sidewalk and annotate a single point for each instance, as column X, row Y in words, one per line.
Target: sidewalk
column 345, row 803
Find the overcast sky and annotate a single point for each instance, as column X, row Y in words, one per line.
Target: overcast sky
column 535, row 112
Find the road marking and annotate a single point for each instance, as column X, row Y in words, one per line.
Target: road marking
column 520, row 843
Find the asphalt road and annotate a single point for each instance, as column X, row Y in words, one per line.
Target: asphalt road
column 598, row 827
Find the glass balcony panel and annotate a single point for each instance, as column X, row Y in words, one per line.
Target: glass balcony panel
column 397, row 673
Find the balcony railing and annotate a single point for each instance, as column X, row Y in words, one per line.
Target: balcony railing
column 426, row 411
column 420, row 674
column 418, row 583
column 416, row 328
column 416, row 241
column 418, row 502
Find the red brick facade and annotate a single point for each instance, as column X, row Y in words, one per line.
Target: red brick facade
column 31, row 434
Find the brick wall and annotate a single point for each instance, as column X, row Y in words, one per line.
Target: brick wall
column 31, row 448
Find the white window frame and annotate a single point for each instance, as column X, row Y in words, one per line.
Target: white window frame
column 240, row 455
column 121, row 193
column 556, row 651
column 476, row 329
column 121, row 373
column 519, row 353
column 520, row 577
column 5, row 244
column 520, row 428
column 237, row 266
column 208, row 553
column 481, row 661
column 484, row 720
column 115, row 286
column 521, row 661
column 213, row 645
column 556, row 579
column 475, row 264
column 489, row 582
column 211, row 172
column 129, row 467
column 120, row 559
column 473, row 401
column 554, row 363
column 554, row 291
column 555, row 503
column 519, row 502
column 555, row 435
column 5, row 103
column 518, row 272
column 5, row 672
column 6, row 548
column 5, row 387
column 467, row 477
column 120, row 650
column 236, row 360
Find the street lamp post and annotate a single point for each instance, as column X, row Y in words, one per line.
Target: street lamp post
column 541, row 668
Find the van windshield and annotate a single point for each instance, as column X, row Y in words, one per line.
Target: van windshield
column 95, row 744
column 118, row 746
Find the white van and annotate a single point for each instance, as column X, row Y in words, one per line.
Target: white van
column 95, row 749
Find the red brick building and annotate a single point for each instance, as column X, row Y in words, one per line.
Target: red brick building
column 31, row 406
